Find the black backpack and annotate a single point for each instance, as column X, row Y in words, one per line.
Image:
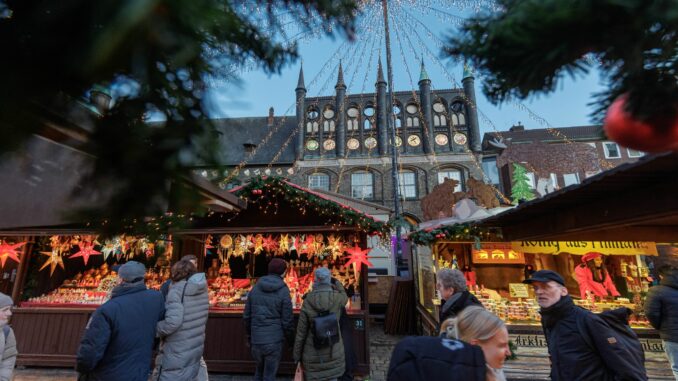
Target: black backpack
column 325, row 330
column 617, row 321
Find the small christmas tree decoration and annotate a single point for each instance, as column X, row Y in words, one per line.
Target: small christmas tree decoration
column 520, row 190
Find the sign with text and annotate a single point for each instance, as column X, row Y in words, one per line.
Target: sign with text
column 583, row 247
column 519, row 290
column 539, row 341
column 498, row 253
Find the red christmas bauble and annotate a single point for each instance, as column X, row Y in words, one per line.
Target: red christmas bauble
column 655, row 136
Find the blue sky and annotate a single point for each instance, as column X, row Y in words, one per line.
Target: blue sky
column 416, row 32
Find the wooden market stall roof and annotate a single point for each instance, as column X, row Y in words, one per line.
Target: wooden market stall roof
column 632, row 202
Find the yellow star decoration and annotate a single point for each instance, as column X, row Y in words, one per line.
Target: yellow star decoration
column 335, row 246
column 53, row 261
column 284, row 243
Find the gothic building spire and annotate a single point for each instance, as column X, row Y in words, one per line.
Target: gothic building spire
column 423, row 76
column 340, row 77
column 380, row 73
column 300, row 83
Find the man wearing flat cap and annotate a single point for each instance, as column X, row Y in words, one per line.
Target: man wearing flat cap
column 581, row 345
column 118, row 339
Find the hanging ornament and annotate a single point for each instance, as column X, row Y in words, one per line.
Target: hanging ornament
column 270, row 243
column 294, row 243
column 225, row 247
column 308, row 247
column 284, row 243
column 258, row 243
column 208, row 244
column 319, row 244
column 10, row 251
column 86, row 250
column 357, row 257
column 654, row 135
column 109, row 248
column 335, row 246
column 53, row 261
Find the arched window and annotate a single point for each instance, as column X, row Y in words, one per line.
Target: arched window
column 312, row 127
column 352, row 113
column 352, row 124
column 455, row 120
column 452, row 174
column 462, row 120
column 407, row 184
column 328, row 126
column 319, row 181
column 367, row 124
column 412, row 121
column 362, row 185
column 439, row 119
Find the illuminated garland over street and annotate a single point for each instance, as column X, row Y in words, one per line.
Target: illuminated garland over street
column 459, row 232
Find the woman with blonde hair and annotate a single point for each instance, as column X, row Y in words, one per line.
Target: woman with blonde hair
column 478, row 326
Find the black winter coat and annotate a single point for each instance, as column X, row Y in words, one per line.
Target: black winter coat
column 118, row 340
column 572, row 359
column 661, row 308
column 453, row 307
column 426, row 358
column 268, row 312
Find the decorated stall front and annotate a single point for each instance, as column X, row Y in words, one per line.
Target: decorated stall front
column 69, row 275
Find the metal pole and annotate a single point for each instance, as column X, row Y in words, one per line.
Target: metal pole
column 390, row 123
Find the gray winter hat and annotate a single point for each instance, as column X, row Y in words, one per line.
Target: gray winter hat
column 322, row 276
column 132, row 271
column 5, row 301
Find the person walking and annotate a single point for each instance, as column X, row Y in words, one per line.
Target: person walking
column 321, row 359
column 7, row 339
column 182, row 331
column 661, row 309
column 451, row 285
column 268, row 320
column 472, row 347
column 164, row 288
column 118, row 340
column 581, row 345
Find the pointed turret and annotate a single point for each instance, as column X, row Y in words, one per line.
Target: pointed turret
column 472, row 119
column 300, row 82
column 423, row 76
column 380, row 73
column 340, row 78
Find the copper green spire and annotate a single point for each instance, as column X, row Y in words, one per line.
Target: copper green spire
column 423, row 76
column 468, row 70
column 300, row 83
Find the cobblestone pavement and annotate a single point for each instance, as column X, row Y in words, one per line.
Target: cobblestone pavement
column 532, row 364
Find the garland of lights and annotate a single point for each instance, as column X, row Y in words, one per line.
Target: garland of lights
column 457, row 232
column 267, row 191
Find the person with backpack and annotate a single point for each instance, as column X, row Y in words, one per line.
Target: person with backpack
column 268, row 320
column 661, row 309
column 8, row 345
column 582, row 345
column 182, row 331
column 318, row 345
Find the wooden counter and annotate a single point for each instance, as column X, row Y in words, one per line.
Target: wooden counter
column 50, row 337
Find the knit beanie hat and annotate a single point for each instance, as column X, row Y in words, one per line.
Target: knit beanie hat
column 277, row 266
column 322, row 276
column 132, row 271
column 5, row 301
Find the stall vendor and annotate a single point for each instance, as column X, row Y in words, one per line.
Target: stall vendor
column 593, row 277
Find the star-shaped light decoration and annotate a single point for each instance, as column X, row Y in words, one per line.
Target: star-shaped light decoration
column 54, row 260
column 357, row 257
column 10, row 251
column 86, row 250
column 270, row 243
column 308, row 246
column 335, row 246
column 110, row 247
column 258, row 243
column 284, row 243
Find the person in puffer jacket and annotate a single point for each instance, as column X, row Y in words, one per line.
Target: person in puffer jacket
column 661, row 309
column 325, row 363
column 7, row 339
column 182, row 331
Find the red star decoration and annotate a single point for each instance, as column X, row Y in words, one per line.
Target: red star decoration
column 358, row 256
column 86, row 250
column 308, row 246
column 10, row 251
column 270, row 243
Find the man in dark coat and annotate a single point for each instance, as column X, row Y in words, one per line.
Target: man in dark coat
column 118, row 340
column 426, row 358
column 564, row 324
column 661, row 308
column 268, row 320
column 451, row 285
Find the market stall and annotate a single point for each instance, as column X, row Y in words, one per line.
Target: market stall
column 283, row 220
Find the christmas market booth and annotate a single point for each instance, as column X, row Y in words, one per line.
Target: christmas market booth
column 233, row 248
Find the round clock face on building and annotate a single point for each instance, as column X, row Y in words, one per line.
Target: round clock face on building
column 312, row 145
column 460, row 138
column 329, row 144
column 352, row 143
column 370, row 142
column 398, row 141
column 413, row 140
column 441, row 139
